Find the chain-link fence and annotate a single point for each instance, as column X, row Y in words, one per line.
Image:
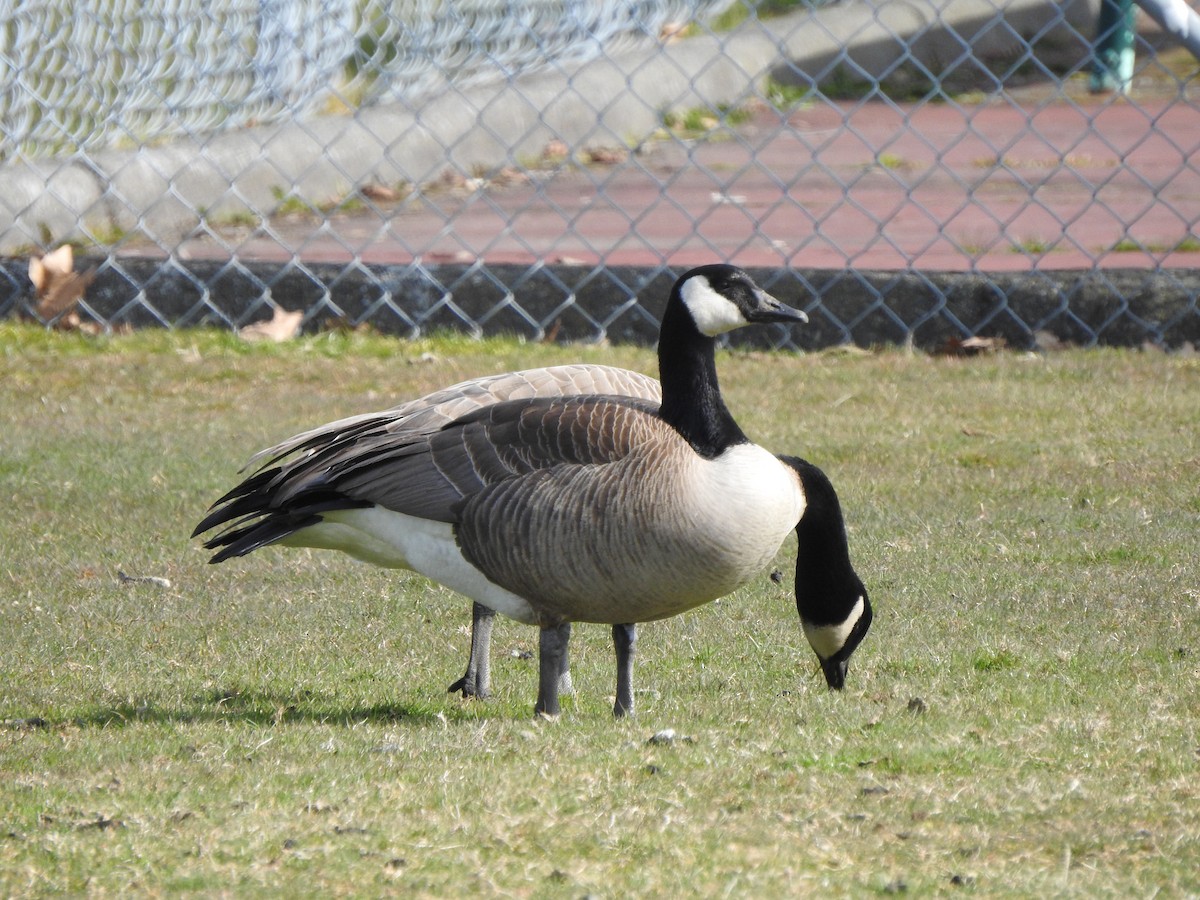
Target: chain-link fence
column 907, row 171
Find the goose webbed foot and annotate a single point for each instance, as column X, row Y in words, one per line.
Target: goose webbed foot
column 470, row 687
column 624, row 642
column 552, row 661
column 476, row 682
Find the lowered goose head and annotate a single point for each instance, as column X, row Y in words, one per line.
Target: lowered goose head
column 835, row 612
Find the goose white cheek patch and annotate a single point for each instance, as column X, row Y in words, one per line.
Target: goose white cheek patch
column 713, row 313
column 827, row 640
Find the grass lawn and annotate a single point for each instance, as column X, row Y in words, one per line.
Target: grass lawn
column 1023, row 720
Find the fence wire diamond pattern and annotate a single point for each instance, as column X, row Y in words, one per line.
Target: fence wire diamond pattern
column 906, row 171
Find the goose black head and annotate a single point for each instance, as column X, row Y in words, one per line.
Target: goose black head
column 720, row 298
column 835, row 611
column 704, row 303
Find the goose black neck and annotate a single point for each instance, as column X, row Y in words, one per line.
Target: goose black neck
column 827, row 587
column 691, row 396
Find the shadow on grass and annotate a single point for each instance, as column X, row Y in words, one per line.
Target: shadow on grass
column 244, row 707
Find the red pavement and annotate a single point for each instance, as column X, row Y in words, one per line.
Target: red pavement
column 868, row 185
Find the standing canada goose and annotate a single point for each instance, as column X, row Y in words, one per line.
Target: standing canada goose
column 596, row 508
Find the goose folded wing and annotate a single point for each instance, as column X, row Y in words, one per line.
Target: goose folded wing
column 430, row 478
column 426, row 476
column 570, row 380
column 427, row 415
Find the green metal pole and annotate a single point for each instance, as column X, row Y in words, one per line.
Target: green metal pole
column 1112, row 56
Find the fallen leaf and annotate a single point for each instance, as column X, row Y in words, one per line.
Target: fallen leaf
column 156, row 580
column 283, row 326
column 972, row 346
column 555, row 151
column 510, row 175
column 606, row 156
column 673, row 31
column 381, row 193
column 58, row 287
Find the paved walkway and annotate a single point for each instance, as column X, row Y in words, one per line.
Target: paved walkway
column 1051, row 183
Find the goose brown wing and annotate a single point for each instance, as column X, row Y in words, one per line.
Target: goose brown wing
column 432, row 477
column 368, row 463
column 433, row 412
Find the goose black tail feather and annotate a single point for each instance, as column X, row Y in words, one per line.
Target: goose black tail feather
column 256, row 488
column 253, row 523
column 240, row 541
column 251, row 497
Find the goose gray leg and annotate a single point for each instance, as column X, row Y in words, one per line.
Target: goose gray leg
column 477, row 680
column 552, row 655
column 624, row 642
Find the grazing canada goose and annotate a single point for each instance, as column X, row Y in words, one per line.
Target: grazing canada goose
column 835, row 612
column 599, row 508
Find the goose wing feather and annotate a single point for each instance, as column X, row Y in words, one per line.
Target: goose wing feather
column 431, row 477
column 558, row 533
column 429, row 414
